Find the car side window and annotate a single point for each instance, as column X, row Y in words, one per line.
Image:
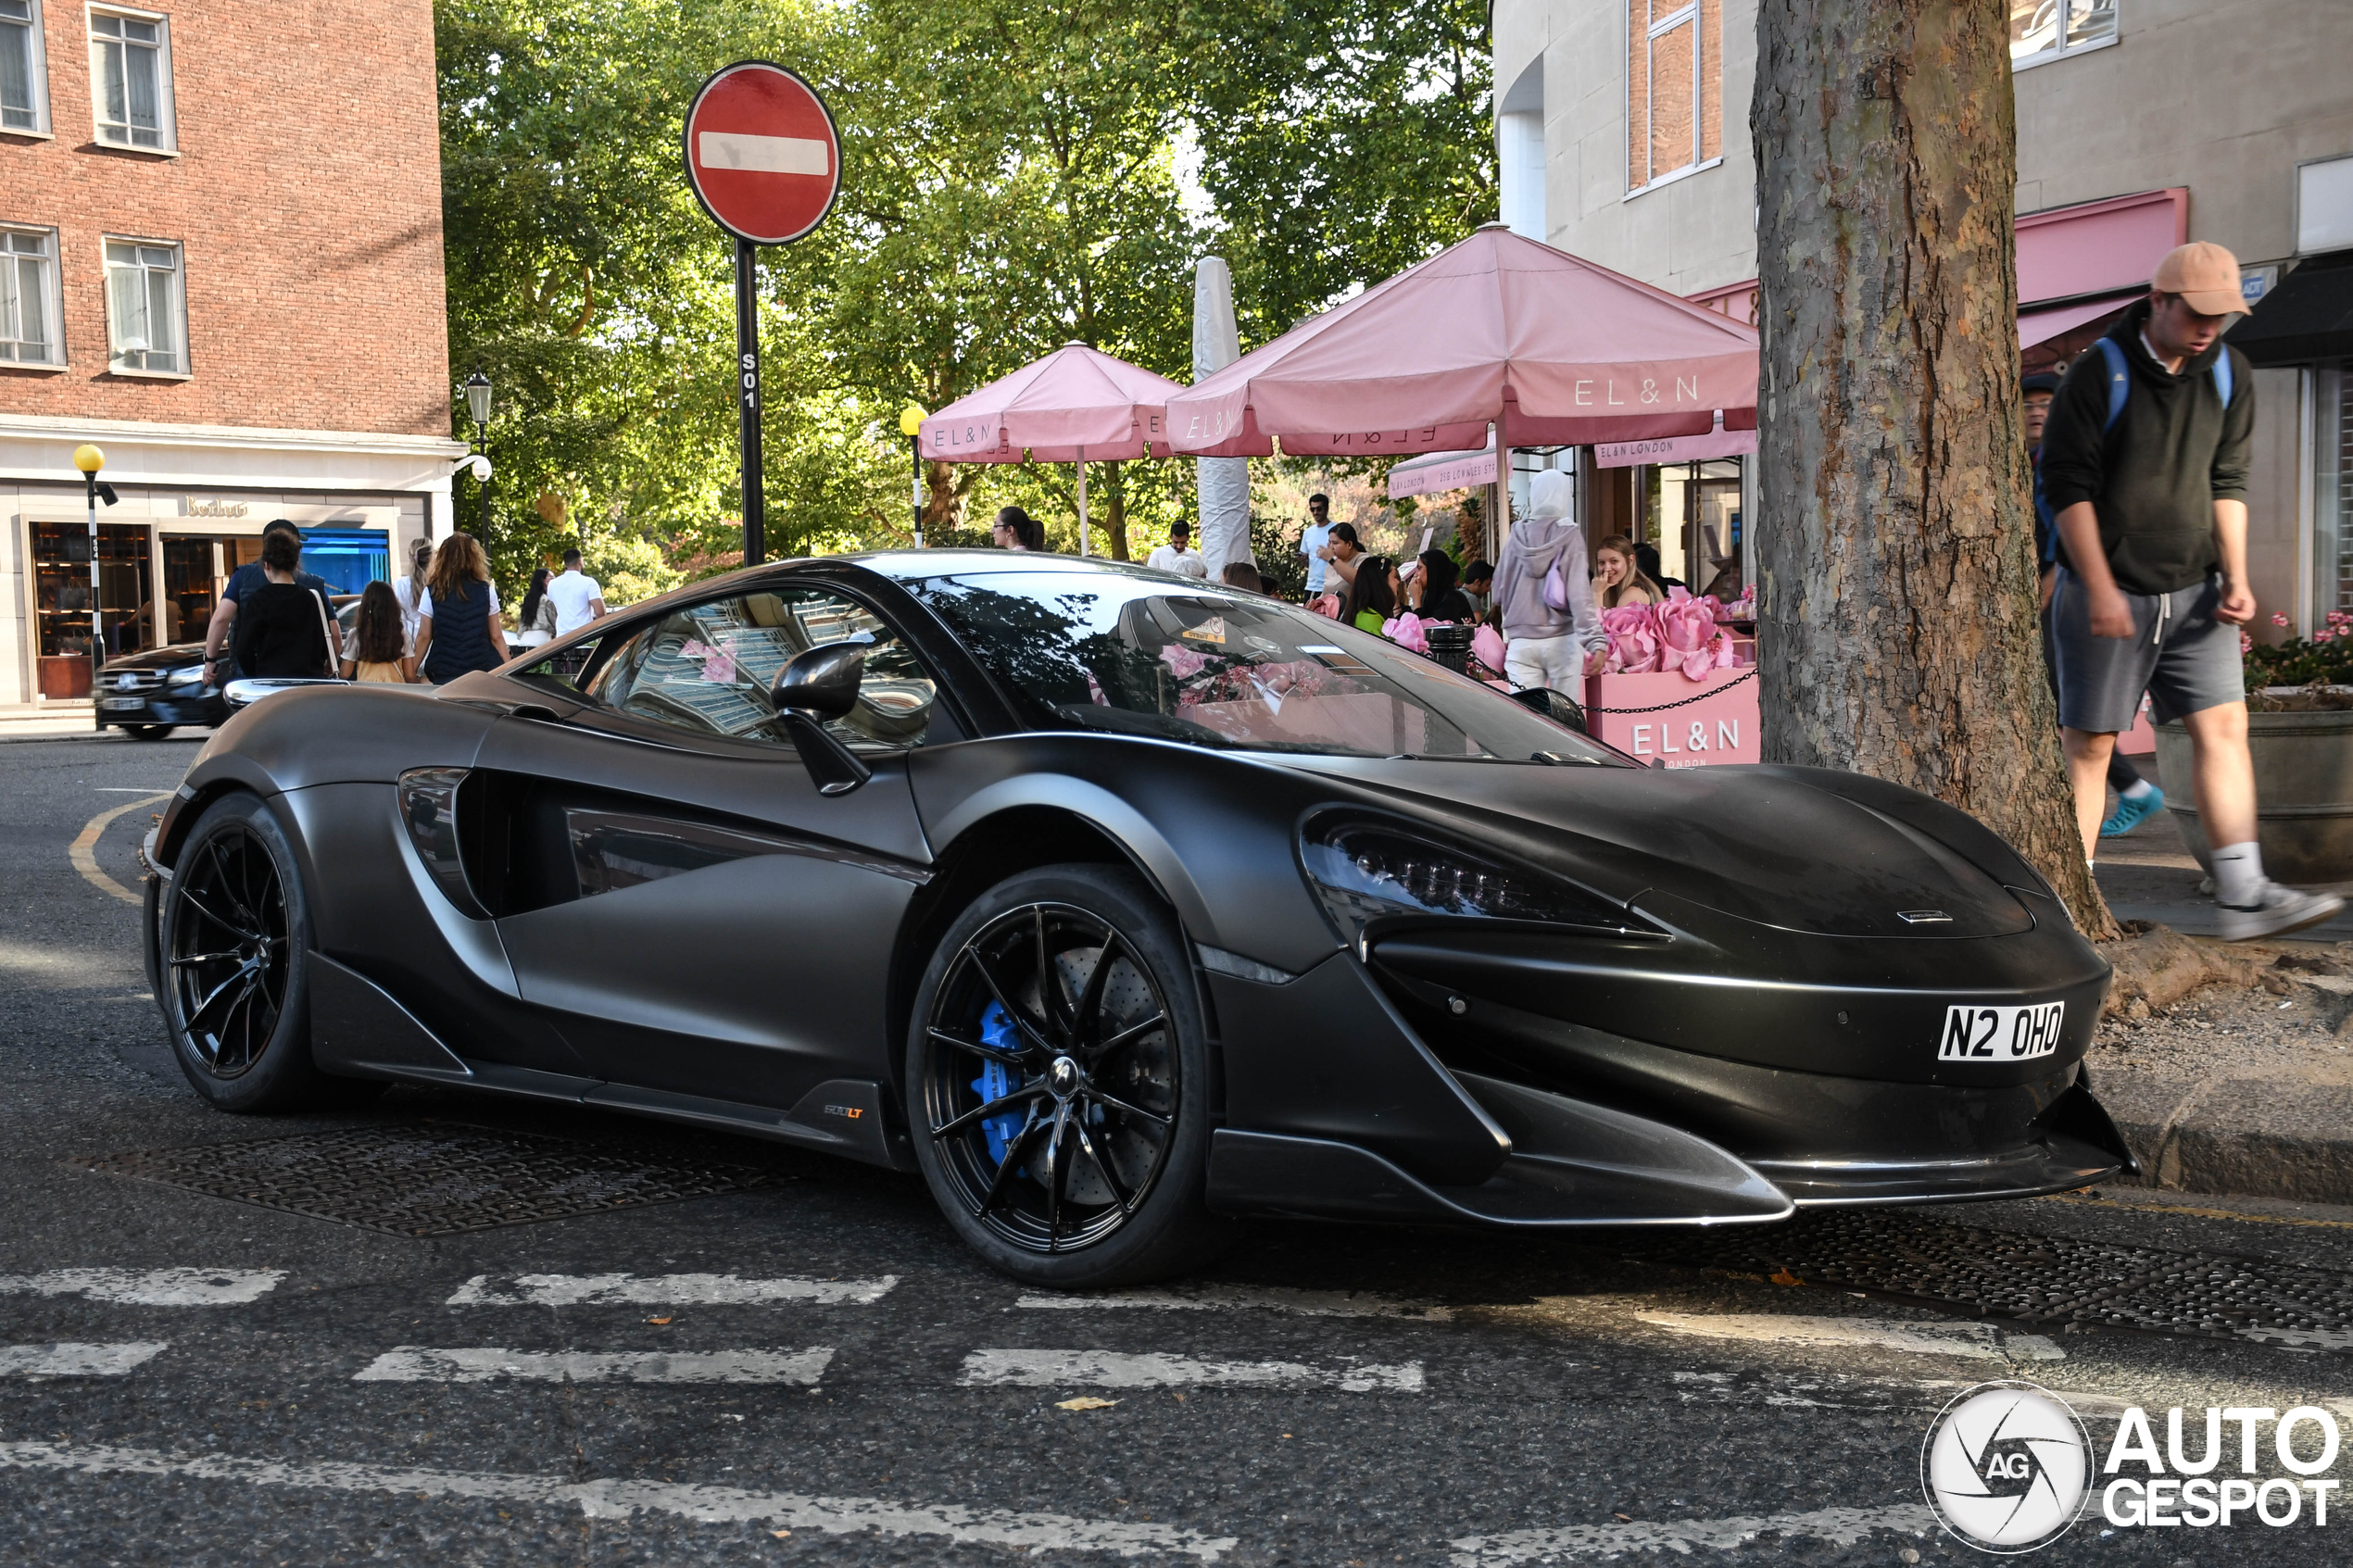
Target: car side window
column 708, row 668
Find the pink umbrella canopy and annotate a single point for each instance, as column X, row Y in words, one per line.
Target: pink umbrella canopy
column 1499, row 329
column 1074, row 403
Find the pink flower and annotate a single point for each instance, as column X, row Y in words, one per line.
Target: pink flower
column 1183, row 663
column 1486, row 647
column 2246, row 644
column 1691, row 642
column 1406, row 633
column 2278, row 619
column 1633, row 636
column 2322, row 636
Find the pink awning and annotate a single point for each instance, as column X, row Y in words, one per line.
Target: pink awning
column 1074, row 397
column 1675, row 450
column 1497, row 330
column 2067, row 252
column 2041, row 326
column 1442, row 471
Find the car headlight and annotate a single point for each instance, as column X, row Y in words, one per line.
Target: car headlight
column 1363, row 870
column 187, row 675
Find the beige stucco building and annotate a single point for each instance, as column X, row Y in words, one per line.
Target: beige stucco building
column 1621, row 130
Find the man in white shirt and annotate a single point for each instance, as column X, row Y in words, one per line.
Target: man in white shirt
column 1315, row 541
column 1177, row 555
column 578, row 598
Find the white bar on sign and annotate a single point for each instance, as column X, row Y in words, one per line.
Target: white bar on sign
column 416, row 1363
column 763, row 154
column 77, row 1360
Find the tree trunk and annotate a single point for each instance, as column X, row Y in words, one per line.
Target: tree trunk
column 943, row 498
column 1898, row 588
column 1115, row 509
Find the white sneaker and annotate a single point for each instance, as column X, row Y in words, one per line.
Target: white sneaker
column 2278, row 910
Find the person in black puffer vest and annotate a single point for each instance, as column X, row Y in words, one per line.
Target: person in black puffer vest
column 457, row 627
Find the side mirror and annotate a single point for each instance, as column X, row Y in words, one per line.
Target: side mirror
column 823, row 681
column 1559, row 706
column 818, row 685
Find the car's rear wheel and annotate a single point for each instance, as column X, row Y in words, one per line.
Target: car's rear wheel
column 1058, row 1082
column 234, row 949
column 146, row 731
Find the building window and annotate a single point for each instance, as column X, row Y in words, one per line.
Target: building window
column 24, row 80
column 131, row 79
column 28, row 333
column 1675, row 88
column 2043, row 29
column 147, row 312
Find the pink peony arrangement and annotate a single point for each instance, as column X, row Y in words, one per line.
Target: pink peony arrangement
column 1406, row 632
column 1683, row 635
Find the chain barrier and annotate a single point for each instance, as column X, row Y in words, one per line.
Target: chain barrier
column 1686, row 702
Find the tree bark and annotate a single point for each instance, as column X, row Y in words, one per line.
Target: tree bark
column 1899, row 586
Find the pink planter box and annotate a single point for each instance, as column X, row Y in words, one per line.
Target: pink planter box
column 2140, row 740
column 1720, row 728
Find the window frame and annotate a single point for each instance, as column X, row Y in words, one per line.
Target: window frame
column 167, row 100
column 2062, row 49
column 55, row 300
column 180, row 304
column 1693, row 14
column 37, row 78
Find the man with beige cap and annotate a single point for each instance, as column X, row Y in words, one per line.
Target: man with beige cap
column 2145, row 462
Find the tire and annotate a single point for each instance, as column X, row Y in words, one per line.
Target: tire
column 1095, row 1173
column 146, row 731
column 233, row 962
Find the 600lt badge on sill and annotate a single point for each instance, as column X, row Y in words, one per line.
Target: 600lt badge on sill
column 2001, row 1033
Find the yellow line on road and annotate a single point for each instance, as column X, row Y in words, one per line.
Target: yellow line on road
column 84, row 850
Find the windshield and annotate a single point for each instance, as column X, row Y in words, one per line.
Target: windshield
column 1099, row 651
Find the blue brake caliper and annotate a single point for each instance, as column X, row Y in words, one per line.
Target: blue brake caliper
column 996, row 1081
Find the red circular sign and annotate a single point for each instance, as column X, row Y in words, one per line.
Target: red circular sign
column 762, row 153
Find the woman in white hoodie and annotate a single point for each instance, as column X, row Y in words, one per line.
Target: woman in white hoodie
column 1544, row 646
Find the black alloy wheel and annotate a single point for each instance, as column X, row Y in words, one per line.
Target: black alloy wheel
column 233, row 959
column 146, row 731
column 1056, row 1080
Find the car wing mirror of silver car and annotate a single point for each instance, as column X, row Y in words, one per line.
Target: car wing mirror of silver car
column 818, row 685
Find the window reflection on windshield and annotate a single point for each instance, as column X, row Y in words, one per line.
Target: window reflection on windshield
column 1109, row 652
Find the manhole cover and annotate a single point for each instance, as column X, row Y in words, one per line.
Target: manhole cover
column 2038, row 1279
column 429, row 1180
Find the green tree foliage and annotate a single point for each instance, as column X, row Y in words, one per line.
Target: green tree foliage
column 1011, row 184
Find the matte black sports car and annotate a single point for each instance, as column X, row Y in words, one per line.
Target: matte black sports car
column 1113, row 902
column 147, row 694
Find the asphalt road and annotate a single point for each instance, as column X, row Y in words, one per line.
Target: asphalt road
column 809, row 1368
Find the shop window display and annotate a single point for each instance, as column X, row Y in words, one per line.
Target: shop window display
column 62, row 597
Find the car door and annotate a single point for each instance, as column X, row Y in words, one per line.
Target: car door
column 669, row 882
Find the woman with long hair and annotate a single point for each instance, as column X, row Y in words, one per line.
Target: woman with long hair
column 1372, row 596
column 378, row 650
column 1016, row 530
column 538, row 617
column 457, row 627
column 411, row 589
column 1442, row 597
column 1619, row 578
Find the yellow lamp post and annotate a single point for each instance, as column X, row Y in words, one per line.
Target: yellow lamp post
column 89, row 459
column 911, row 426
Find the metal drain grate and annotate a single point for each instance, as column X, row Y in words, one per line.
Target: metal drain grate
column 2037, row 1279
column 430, row 1180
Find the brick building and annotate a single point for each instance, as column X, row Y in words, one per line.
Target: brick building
column 220, row 262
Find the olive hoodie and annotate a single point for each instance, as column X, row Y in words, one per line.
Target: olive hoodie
column 2153, row 479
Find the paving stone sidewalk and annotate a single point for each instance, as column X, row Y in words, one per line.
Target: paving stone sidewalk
column 2235, row 1087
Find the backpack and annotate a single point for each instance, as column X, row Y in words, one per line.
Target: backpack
column 2119, row 380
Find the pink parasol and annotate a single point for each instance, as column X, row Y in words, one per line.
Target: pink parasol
column 1074, row 405
column 1499, row 329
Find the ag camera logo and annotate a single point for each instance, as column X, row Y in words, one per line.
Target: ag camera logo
column 2007, row 1467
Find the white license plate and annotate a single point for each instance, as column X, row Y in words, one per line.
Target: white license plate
column 2001, row 1033
column 113, row 703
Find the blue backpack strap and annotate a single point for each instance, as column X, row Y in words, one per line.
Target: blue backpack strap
column 2222, row 375
column 2119, row 382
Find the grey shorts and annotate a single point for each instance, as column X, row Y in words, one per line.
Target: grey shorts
column 2178, row 653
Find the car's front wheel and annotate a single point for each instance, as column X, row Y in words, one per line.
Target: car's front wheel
column 146, row 731
column 1058, row 1082
column 233, row 948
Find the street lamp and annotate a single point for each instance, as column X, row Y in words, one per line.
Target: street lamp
column 89, row 459
column 477, row 389
column 911, row 426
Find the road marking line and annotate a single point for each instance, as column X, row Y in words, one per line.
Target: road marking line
column 82, row 850
column 1980, row 1341
column 1278, row 1298
column 620, row 1500
column 1114, row 1369
column 488, row 1364
column 667, row 1290
column 150, row 1288
column 77, row 1360
column 1573, row 1543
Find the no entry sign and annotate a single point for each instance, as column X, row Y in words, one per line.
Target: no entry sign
column 762, row 153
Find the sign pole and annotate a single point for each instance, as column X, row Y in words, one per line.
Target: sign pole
column 747, row 397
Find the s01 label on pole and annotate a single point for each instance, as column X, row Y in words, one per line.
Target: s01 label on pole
column 765, row 161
